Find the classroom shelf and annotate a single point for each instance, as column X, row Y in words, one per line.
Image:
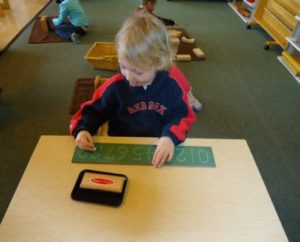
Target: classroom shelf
column 242, row 8
column 294, row 42
column 251, row 5
column 277, row 18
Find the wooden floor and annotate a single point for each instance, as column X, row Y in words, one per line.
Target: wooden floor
column 13, row 20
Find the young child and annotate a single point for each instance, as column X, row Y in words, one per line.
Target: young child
column 149, row 5
column 77, row 25
column 145, row 99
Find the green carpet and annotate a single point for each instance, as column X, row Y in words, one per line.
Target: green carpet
column 245, row 90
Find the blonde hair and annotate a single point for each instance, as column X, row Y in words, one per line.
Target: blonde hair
column 143, row 41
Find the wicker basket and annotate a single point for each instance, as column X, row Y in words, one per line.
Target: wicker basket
column 103, row 55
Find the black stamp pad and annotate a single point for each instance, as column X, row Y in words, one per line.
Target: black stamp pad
column 100, row 187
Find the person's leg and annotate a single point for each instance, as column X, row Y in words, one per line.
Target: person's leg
column 194, row 102
column 77, row 34
column 65, row 30
column 80, row 31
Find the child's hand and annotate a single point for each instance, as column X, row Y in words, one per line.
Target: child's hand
column 84, row 141
column 164, row 151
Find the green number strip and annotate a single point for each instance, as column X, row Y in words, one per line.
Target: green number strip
column 133, row 154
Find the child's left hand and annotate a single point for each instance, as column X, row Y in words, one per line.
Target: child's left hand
column 164, row 151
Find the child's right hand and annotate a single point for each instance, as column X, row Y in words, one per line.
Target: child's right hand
column 84, row 141
column 164, row 151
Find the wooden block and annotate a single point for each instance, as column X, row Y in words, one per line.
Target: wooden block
column 186, row 40
column 183, row 57
column 44, row 25
column 198, row 52
column 102, row 182
column 175, row 41
column 173, row 33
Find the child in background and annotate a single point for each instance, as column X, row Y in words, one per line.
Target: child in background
column 78, row 23
column 145, row 99
column 149, row 5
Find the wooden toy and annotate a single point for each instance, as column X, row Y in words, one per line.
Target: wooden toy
column 183, row 58
column 44, row 25
column 173, row 33
column 198, row 52
column 186, row 40
column 100, row 187
column 175, row 41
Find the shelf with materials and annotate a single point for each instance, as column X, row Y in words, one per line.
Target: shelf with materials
column 245, row 9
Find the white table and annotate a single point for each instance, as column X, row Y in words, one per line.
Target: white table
column 226, row 203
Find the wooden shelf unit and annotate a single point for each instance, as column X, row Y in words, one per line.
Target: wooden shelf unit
column 277, row 18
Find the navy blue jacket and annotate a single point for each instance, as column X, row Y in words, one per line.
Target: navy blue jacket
column 160, row 110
